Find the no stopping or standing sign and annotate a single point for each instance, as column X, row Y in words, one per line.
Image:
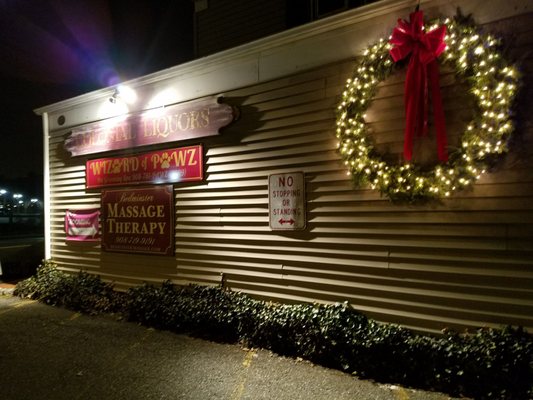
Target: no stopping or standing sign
column 286, row 200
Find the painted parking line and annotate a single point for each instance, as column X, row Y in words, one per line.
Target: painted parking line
column 24, row 303
column 20, row 246
column 145, row 336
column 16, row 305
column 401, row 393
column 239, row 389
column 74, row 316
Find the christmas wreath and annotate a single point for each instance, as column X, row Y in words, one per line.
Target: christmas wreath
column 475, row 59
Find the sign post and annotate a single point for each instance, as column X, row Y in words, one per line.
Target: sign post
column 286, row 201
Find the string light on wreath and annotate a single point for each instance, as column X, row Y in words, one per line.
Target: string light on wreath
column 475, row 59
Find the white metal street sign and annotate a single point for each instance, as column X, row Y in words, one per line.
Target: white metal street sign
column 286, row 201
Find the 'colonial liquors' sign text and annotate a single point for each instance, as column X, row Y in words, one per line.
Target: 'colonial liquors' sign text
column 182, row 164
column 138, row 220
column 182, row 121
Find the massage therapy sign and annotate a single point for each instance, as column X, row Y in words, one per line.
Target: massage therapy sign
column 138, row 220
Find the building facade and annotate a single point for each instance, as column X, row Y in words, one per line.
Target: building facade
column 264, row 152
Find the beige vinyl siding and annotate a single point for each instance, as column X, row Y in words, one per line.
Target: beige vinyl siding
column 467, row 261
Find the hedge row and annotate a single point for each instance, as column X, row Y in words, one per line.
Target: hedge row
column 485, row 364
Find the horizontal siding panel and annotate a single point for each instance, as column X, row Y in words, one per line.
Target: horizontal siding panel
column 431, row 293
column 222, row 211
column 267, row 164
column 519, row 276
column 433, row 243
column 211, row 193
column 278, row 169
column 464, row 203
column 64, row 178
column 69, row 185
column 74, row 200
column 195, row 223
column 310, row 118
column 268, row 135
column 294, row 108
column 325, row 146
column 280, row 141
column 424, row 218
column 228, row 241
column 279, row 257
column 284, row 95
column 222, row 202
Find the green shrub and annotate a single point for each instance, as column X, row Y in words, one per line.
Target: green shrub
column 81, row 292
column 48, row 284
column 200, row 311
column 485, row 364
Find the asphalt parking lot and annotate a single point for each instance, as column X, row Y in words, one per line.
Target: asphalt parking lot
column 52, row 353
column 20, row 256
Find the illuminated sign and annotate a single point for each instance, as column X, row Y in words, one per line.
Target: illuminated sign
column 182, row 164
column 138, row 220
column 286, row 201
column 82, row 225
column 173, row 123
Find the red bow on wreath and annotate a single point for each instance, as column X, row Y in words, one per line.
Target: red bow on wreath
column 423, row 71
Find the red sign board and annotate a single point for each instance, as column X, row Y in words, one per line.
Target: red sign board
column 82, row 225
column 182, row 121
column 138, row 220
column 182, row 164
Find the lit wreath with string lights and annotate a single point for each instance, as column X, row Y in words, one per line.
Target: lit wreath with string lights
column 475, row 59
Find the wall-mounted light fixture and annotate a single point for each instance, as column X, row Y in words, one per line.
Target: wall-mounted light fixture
column 124, row 93
column 114, row 96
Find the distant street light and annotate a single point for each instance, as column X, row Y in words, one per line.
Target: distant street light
column 2, row 193
column 18, row 197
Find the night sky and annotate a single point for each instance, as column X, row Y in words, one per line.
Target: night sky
column 52, row 50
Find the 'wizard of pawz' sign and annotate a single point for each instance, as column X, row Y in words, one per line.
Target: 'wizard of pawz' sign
column 176, row 165
column 286, row 200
